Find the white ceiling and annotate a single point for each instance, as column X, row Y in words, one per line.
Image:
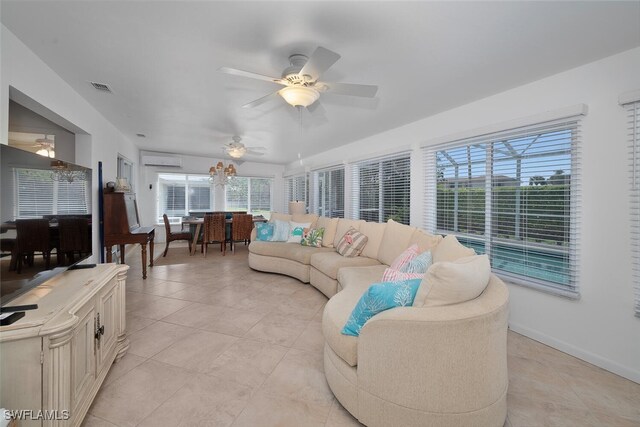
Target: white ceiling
column 160, row 59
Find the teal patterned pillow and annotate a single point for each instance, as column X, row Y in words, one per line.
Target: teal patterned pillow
column 264, row 231
column 312, row 237
column 419, row 264
column 380, row 297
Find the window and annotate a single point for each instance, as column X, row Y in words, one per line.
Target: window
column 296, row 188
column 381, row 189
column 513, row 195
column 125, row 170
column 38, row 195
column 180, row 195
column 329, row 192
column 633, row 128
column 249, row 194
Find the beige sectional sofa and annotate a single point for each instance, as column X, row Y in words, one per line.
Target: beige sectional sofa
column 410, row 366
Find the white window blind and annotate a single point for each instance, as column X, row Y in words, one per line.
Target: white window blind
column 329, row 192
column 38, row 195
column 514, row 195
column 249, row 194
column 180, row 195
column 633, row 132
column 381, row 189
column 296, row 188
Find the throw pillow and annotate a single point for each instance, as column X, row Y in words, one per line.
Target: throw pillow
column 419, row 264
column 280, row 231
column 295, row 231
column 404, row 258
column 264, row 231
column 380, row 297
column 454, row 282
column 352, row 243
column 312, row 237
column 391, row 275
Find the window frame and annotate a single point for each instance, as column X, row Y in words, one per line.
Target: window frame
column 631, row 104
column 320, row 176
column 187, row 208
column 249, row 209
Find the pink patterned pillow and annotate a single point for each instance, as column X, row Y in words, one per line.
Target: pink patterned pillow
column 391, row 275
column 405, row 257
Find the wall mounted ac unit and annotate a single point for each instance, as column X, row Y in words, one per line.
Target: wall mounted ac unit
column 164, row 161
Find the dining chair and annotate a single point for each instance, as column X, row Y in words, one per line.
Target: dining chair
column 75, row 238
column 241, row 226
column 32, row 235
column 214, row 231
column 171, row 236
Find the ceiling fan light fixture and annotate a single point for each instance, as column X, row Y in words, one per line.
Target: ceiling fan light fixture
column 237, row 152
column 302, row 96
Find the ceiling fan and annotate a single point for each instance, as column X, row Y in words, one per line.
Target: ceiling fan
column 237, row 149
column 300, row 80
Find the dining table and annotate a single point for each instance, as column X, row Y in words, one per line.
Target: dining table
column 197, row 223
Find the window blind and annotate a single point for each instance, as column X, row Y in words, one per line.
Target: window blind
column 381, row 189
column 38, row 195
column 249, row 194
column 329, row 192
column 633, row 134
column 179, row 195
column 296, row 188
column 514, row 195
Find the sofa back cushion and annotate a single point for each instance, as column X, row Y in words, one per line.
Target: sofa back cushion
column 304, row 218
column 449, row 249
column 424, row 240
column 343, row 226
column 374, row 231
column 454, row 282
column 280, row 216
column 330, row 226
column 396, row 239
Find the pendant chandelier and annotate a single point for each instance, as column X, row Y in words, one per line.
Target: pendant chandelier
column 220, row 174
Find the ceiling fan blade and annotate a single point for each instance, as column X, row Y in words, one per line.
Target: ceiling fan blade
column 242, row 73
column 318, row 112
column 255, row 153
column 256, row 148
column 365, row 91
column 319, row 62
column 262, row 100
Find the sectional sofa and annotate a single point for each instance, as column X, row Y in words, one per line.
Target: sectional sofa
column 410, row 366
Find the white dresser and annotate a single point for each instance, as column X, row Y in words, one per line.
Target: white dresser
column 55, row 358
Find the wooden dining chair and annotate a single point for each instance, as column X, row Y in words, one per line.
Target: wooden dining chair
column 75, row 238
column 241, row 226
column 171, row 236
column 214, row 231
column 32, row 235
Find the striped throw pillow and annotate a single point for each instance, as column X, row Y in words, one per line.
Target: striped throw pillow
column 391, row 275
column 352, row 243
column 404, row 258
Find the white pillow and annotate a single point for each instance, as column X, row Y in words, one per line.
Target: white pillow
column 280, row 230
column 296, row 230
column 454, row 282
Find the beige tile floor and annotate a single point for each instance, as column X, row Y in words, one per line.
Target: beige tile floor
column 214, row 343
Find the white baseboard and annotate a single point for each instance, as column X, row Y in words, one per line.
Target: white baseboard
column 604, row 363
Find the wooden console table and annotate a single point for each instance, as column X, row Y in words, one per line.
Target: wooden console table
column 55, row 358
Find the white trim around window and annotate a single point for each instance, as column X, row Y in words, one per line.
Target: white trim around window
column 633, row 135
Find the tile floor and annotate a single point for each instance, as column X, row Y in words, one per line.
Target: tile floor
column 215, row 343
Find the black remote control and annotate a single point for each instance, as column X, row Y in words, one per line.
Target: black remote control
column 18, row 308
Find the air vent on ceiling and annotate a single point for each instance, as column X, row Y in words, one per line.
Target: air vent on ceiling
column 141, row 135
column 101, row 86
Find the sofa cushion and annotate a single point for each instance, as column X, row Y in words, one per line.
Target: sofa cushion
column 454, row 282
column 329, row 263
column 449, row 249
column 352, row 243
column 343, row 226
column 395, row 240
column 360, row 275
column 374, row 231
column 310, row 218
column 280, row 216
column 292, row 251
column 424, row 240
column 391, row 275
column 330, row 226
column 336, row 313
column 378, row 298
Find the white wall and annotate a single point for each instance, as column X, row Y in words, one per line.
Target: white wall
column 599, row 327
column 21, row 69
column 148, row 197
